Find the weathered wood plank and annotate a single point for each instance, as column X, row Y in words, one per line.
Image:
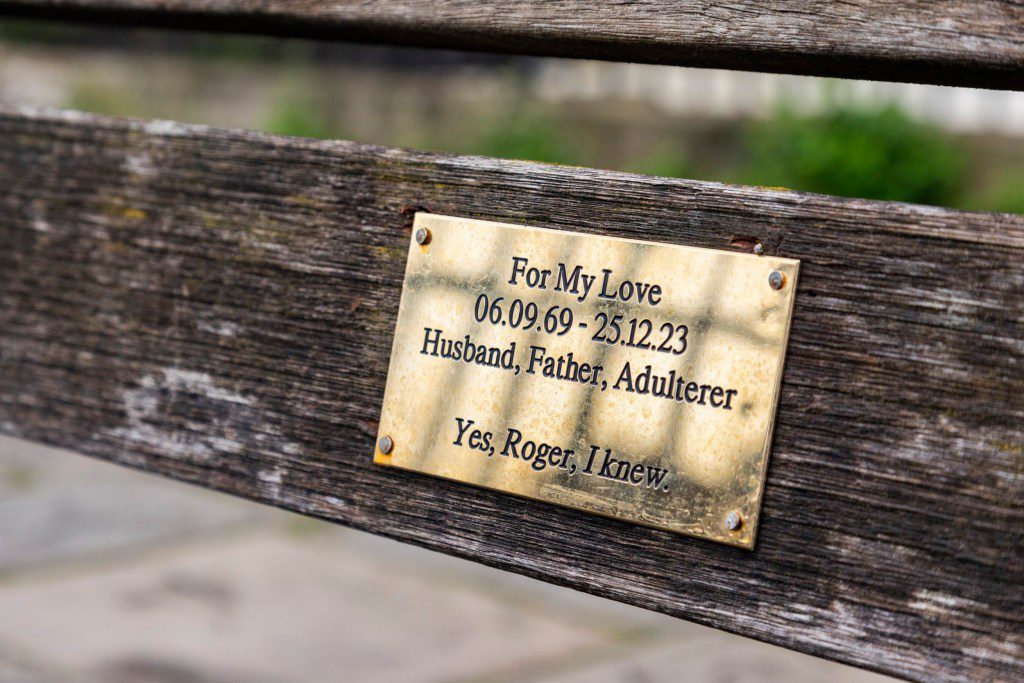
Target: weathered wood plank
column 951, row 42
column 217, row 306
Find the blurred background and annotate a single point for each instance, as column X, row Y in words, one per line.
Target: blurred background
column 108, row 574
column 953, row 147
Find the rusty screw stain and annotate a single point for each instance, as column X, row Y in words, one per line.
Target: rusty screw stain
column 776, row 279
column 385, row 444
column 758, row 248
column 733, row 521
column 422, row 236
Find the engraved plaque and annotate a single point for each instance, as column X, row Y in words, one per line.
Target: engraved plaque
column 631, row 379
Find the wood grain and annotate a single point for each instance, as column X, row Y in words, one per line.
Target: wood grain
column 951, row 42
column 217, row 306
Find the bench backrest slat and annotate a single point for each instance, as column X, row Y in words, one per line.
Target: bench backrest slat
column 218, row 306
column 952, row 42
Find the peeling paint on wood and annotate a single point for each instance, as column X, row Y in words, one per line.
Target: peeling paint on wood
column 235, row 338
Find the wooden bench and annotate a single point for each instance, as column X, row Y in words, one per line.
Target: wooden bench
column 217, row 306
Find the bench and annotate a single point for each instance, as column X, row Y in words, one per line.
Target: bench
column 217, row 306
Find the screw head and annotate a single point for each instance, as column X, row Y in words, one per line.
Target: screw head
column 422, row 236
column 776, row 279
column 385, row 444
column 733, row 521
column 758, row 248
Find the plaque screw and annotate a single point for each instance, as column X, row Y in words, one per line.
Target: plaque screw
column 385, row 444
column 776, row 279
column 758, row 248
column 422, row 236
column 733, row 521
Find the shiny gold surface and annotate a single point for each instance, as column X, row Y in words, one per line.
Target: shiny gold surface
column 696, row 453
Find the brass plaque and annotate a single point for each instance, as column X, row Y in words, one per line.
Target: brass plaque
column 631, row 379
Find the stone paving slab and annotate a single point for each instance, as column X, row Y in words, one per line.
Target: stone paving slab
column 10, row 673
column 313, row 606
column 112, row 575
column 519, row 592
column 57, row 505
column 711, row 657
column 276, row 609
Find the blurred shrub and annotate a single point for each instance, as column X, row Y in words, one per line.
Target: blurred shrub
column 670, row 163
column 1005, row 193
column 875, row 154
column 298, row 116
column 229, row 47
column 531, row 136
column 200, row 45
column 102, row 100
column 35, row 31
column 852, row 152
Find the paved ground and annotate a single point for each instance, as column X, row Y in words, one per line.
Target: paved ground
column 112, row 575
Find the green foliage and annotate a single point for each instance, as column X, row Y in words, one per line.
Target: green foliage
column 669, row 163
column 234, row 48
column 297, row 116
column 36, row 31
column 531, row 136
column 876, row 154
column 1004, row 194
column 104, row 100
column 201, row 46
